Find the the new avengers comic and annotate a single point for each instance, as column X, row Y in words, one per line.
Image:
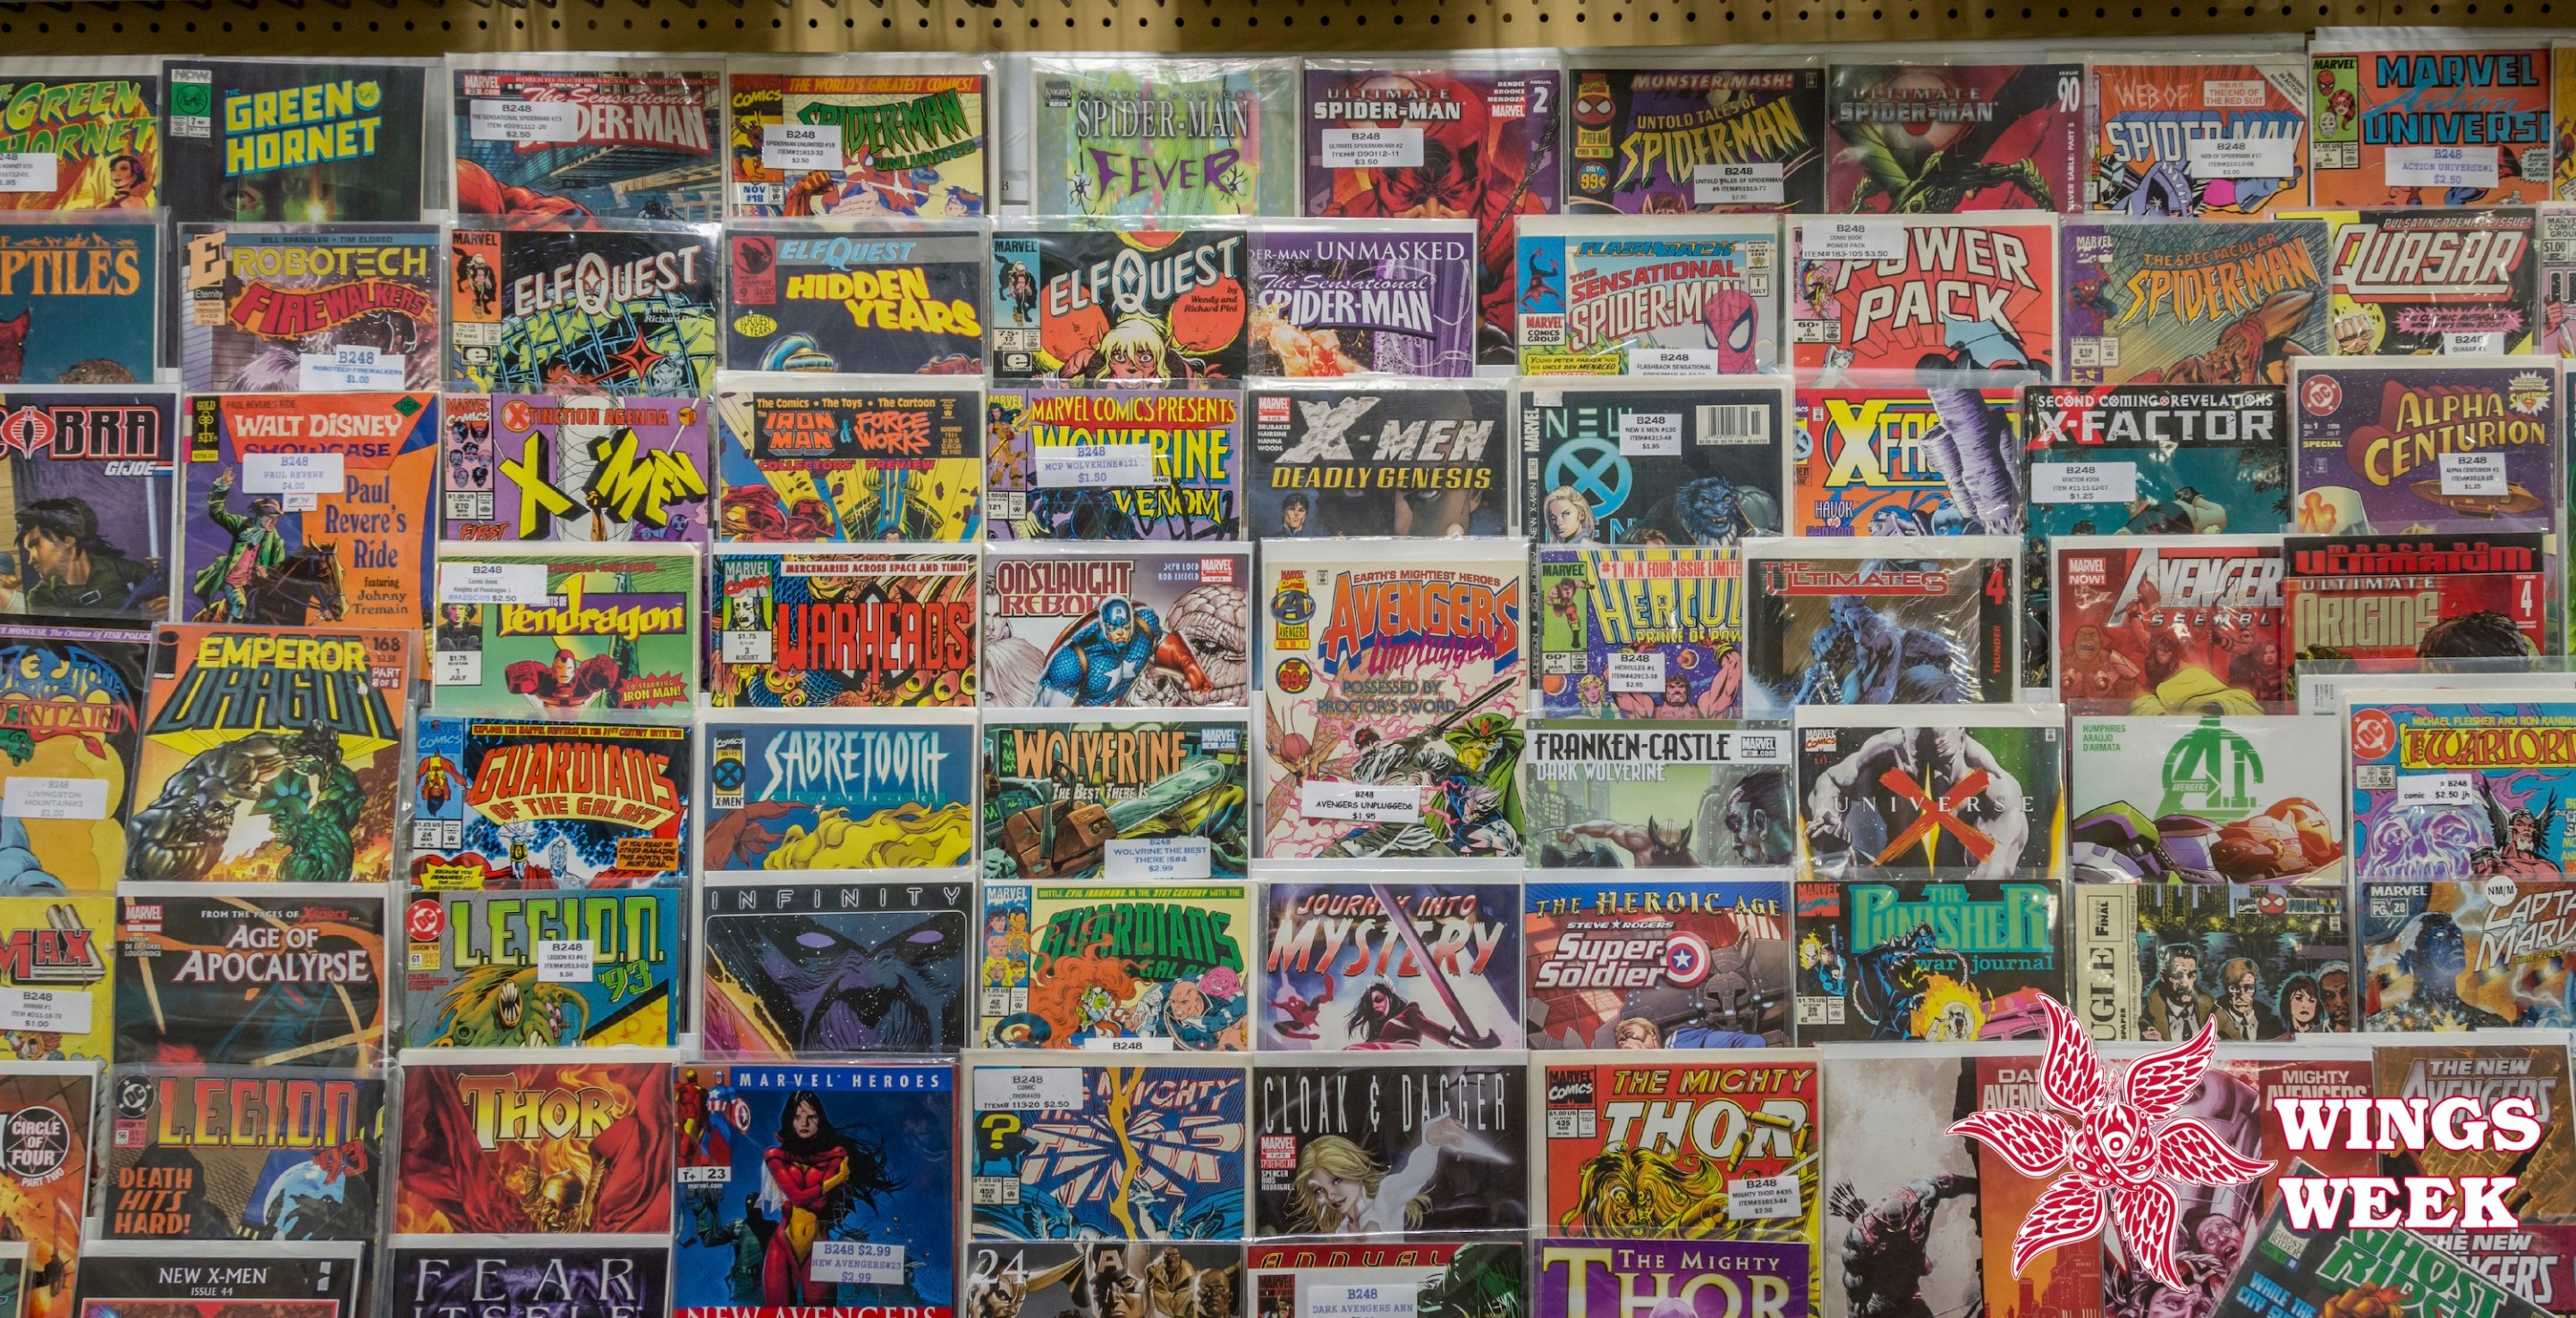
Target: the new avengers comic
column 2193, row 304
column 573, row 968
column 855, row 628
column 1119, row 305
column 1648, row 296
column 1688, row 963
column 522, row 804
column 1166, row 967
column 1393, row 298
column 1397, row 459
column 309, row 308
column 242, row 1153
column 809, row 460
column 91, row 129
column 2466, row 596
column 888, row 790
column 71, row 725
column 1127, row 135
column 293, row 139
column 2417, row 282
column 1897, row 300
column 599, row 1277
column 79, row 299
column 87, row 516
column 2544, row 1188
column 866, row 136
column 827, row 966
column 895, row 300
column 2214, row 138
column 51, row 1106
column 1137, row 628
column 2471, row 953
column 493, row 1143
column 2212, row 798
column 1603, row 793
column 1352, row 966
column 2460, row 786
column 560, row 138
column 2149, row 625
column 1654, row 140
column 519, row 467
column 1126, row 464
column 1962, row 792
column 1836, row 623
column 1899, row 460
column 1415, row 1276
column 243, row 978
column 57, row 979
column 2427, row 121
column 2390, row 446
column 596, row 310
column 1641, row 633
column 2161, row 960
column 1061, row 1278
column 1923, row 961
column 1381, row 1146
column 1655, row 464
column 564, row 632
column 1092, row 1151
column 1066, row 797
column 1935, row 138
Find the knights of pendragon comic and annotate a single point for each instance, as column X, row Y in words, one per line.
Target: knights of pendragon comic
column 51, row 1107
column 57, row 976
column 78, row 302
column 1160, row 968
column 1894, row 301
column 895, row 301
column 1393, row 299
column 2459, row 788
column 243, row 978
column 1831, row 624
column 2416, row 282
column 478, row 973
column 1381, row 460
column 868, row 792
column 1951, row 793
column 1135, row 628
column 525, row 467
column 293, row 140
column 910, row 139
column 2446, row 127
column 2193, row 304
column 1655, row 141
column 1901, row 1193
column 1077, row 800
column 2487, row 952
column 309, row 308
column 1112, row 304
column 826, row 967
column 638, row 141
column 565, row 632
column 1905, row 461
column 86, row 485
column 1655, row 464
column 1685, row 963
column 237, row 1153
column 1648, row 296
column 71, row 716
column 2176, row 138
column 1941, row 139
column 1604, row 793
column 2217, row 798
column 1197, row 442
column 801, row 464
column 586, row 311
column 1163, row 137
column 843, row 629
column 1353, row 966
column 98, row 129
column 519, row 804
column 2149, row 625
column 1641, row 633
column 1431, row 1278
column 486, row 1149
column 2389, row 447
column 606, row 1277
column 1059, row 1151
column 1927, row 961
column 2160, row 960
column 2472, row 595
column 1059, row 1278
column 1432, row 1148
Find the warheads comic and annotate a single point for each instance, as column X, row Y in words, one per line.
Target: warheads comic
column 71, row 726
column 58, row 977
column 1653, row 141
column 1430, row 1278
column 238, row 1153
column 1164, row 968
column 1938, row 139
column 1163, row 137
column 562, row 138
column 1061, row 1278
column 885, row 461
column 1641, row 633
column 898, row 137
column 2454, row 125
column 2414, row 282
column 604, row 1277
column 1649, row 464
column 2472, row 595
column 2152, row 625
column 522, row 467
column 575, row 968
column 1061, row 1151
column 523, row 804
column 856, row 628
column 1138, row 628
column 2464, row 786
column 79, row 302
column 894, row 301
column 565, row 632
column 2163, row 959
column 96, row 126
column 1722, row 1279
column 1389, row 459
column 2219, row 140
column 293, row 140
column 1686, row 963
column 247, row 979
column 1895, row 301
column 1833, row 623
column 1176, row 456
column 1899, row 461
column 2197, row 304
column 1112, row 304
column 1937, row 962
column 221, row 1280
column 2395, row 447
column 1960, row 792
column 826, row 967
column 51, row 1106
column 1661, row 296
column 2214, row 798
column 309, row 308
column 1398, row 298
column 877, row 791
column 584, row 311
column 1168, row 798
column 1352, row 966
column 87, row 510
column 497, row 1144
column 1432, row 1148
column 2467, row 954
column 1600, row 793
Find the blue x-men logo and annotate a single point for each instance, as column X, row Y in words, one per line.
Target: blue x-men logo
column 728, row 775
column 1596, row 471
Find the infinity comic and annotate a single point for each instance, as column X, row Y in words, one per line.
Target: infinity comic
column 536, row 969
column 2170, row 625
column 2389, row 447
column 1721, row 1279
column 2471, row 953
column 2463, row 123
column 222, row 1281
column 521, row 467
column 1068, row 1150
column 242, row 978
column 1927, row 962
column 309, row 308
column 238, row 1153
column 95, row 125
column 2411, row 282
column 842, row 628
column 2459, row 788
column 588, row 311
column 2216, row 139
column 1604, row 794
column 1901, row 1193
column 2199, row 304
column 605, row 1277
column 1175, row 457
column 293, row 140
column 898, row 135
column 882, row 791
column 822, row 967
column 2161, row 960
column 565, row 632
column 1432, row 1278
column 1663, row 296
column 1895, row 460
column 1383, row 459
column 1893, row 301
column 1138, row 628
column 816, row 1189
column 1967, row 792
column 2220, row 798
column 1149, row 969
column 51, row 1107
column 904, row 300
column 1394, row 298
column 1652, row 141
column 1939, row 139
column 1163, row 137
column 1353, row 966
column 87, row 512
column 79, row 302
column 499, row 1144
column 1166, row 799
column 1382, row 1147
column 1832, row 623
column 1680, row 964
column 1114, row 304
column 800, row 460
column 562, row 137
column 1641, row 633
column 2415, row 596
column 1655, row 464
column 71, row 718
column 519, row 804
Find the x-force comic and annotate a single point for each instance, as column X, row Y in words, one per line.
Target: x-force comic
column 825, row 967
column 1893, row 461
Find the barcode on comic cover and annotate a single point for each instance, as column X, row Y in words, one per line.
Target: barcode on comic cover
column 1734, row 423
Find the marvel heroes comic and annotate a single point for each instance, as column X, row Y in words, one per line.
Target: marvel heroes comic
column 521, row 467
column 1919, row 961
column 1689, row 962
column 1127, row 135
column 1894, row 301
column 1720, row 1278
column 854, row 628
column 229, row 1280
column 2489, row 951
column 1655, row 464
column 1832, row 623
column 1394, row 459
column 888, row 790
column 79, row 301
column 1651, row 140
column 1137, row 628
column 852, row 1170
column 1167, row 798
column 71, row 726
column 558, row 137
column 2396, row 123
column 807, row 460
column 2414, row 282
column 1379, row 1147
column 1418, row 1277
column 2160, row 960
column 1392, row 700
column 518, row 804
column 1078, row 1150
column 1355, row 965
column 2459, row 786
column 1901, row 1193
column 2465, row 596
column 1691, row 794
column 2217, row 798
column 2213, row 138
column 1648, row 296
column 1932, row 138
column 1962, row 792
column 2544, row 1174
column 1060, row 1278
column 51, row 1106
column 496, row 968
column 1118, row 305
column 564, row 632
column 243, row 1153
column 495, row 1277
column 2195, row 304
column 595, row 310
column 85, row 504
column 2387, row 446
column 93, row 127
column 1900, row 460
column 1641, row 633
column 58, row 977
column 2285, row 1269
column 293, row 140
column 498, row 1143
column 827, row 966
column 309, row 308
column 1161, row 968
column 1397, row 297
column 1043, row 479
column 2148, row 625
column 900, row 136
column 244, row 978
column 896, row 300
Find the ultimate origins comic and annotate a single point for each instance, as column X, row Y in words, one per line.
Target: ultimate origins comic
column 2220, row 140
column 1393, row 459
column 1042, row 483
column 309, row 308
column 1641, row 633
column 1603, row 793
column 278, row 139
column 522, row 467
column 823, row 966
column 577, row 968
column 1939, row 139
column 1924, row 961
column 1648, row 296
column 906, row 300
column 1444, row 1277
column 897, row 137
column 244, row 978
column 894, row 789
column 51, row 1105
column 1059, row 1278
column 802, row 460
column 1068, row 798
column 1163, row 137
column 1900, row 1191
column 85, row 504
column 1696, row 963
column 1137, row 628
column 1352, row 966
column 842, row 628
column 601, row 1277
column 243, row 1153
column 1892, row 460
column 1655, row 141
column 520, row 804
column 58, row 977
column 565, row 632
column 1165, row 968
column 2468, row 954
column 2471, row 595
column 1894, row 301
column 79, row 302
column 2402, row 125
column 2388, row 446
column 2218, row 798
column 1118, row 305
column 1833, row 623
column 560, row 137
column 1084, row 1151
column 1962, row 792
column 2163, row 959
column 596, row 310
column 2460, row 786
column 71, row 726
column 1373, row 1147
column 1395, row 298
column 2415, row 282
column 96, row 126
column 2193, row 304
column 498, row 1144
column 2149, row 625
column 1655, row 463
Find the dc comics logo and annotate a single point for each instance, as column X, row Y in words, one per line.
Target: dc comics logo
column 2373, row 733
column 2321, row 395
column 133, row 1097
column 426, row 922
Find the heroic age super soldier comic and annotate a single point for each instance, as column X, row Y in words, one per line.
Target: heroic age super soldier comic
column 2414, row 596
column 1126, row 135
column 1353, row 966
column 842, row 628
column 532, row 969
column 1137, row 628
column 1119, row 305
column 1901, row 1193
column 1641, row 633
column 51, row 1105
column 1894, row 301
column 595, row 310
column 1648, row 296
column 900, row 135
column 293, row 140
column 2388, row 446
column 1431, row 1278
column 1893, row 460
column 1651, row 140
column 564, row 137
column 1937, row 962
column 2209, row 799
column 245, row 978
column 2459, row 787
column 893, row 789
column 1070, row 799
column 2197, row 304
column 1648, row 464
column 85, row 504
column 2415, row 282
column 1959, row 792
column 1060, row 1279
column 519, row 804
column 825, row 967
column 2214, row 139
column 1833, row 623
column 309, row 308
column 2462, row 123
column 897, row 300
column 1168, row 967
column 2163, row 959
column 242, row 1153
column 1193, row 440
column 565, row 632
column 2170, row 624
column 95, row 123
column 540, row 467
column 71, row 718
column 1393, row 298
column 493, row 1143
column 802, row 460
column 1939, row 139
column 1429, row 1147
column 601, row 1277
column 1391, row 459
column 1084, row 1151
column 79, row 302
column 2472, row 953
column 1696, row 963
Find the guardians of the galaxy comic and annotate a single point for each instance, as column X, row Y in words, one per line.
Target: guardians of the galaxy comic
column 896, row 300
column 309, row 308
column 1638, row 463
column 505, row 1144
column 1362, row 1144
column 243, row 1153
column 544, row 969
column 850, row 628
column 899, row 136
column 1179, row 137
column 596, row 310
column 2197, row 304
column 1939, row 139
column 1112, row 303
column 1394, row 458
column 1173, row 470
column 79, row 299
column 86, row 481
column 886, row 790
column 1354, row 965
column 1068, row 797
column 2428, row 122
column 1894, row 301
column 71, row 720
column 565, row 632
column 826, row 966
column 523, row 467
column 293, row 140
column 1149, row 968
column 524, row 803
column 856, row 461
column 1649, row 140
column 2199, row 138
column 1138, row 628
column 563, row 138
column 1074, row 1150
column 91, row 130
column 240, row 977
column 49, row 1179
column 57, row 977
column 1641, row 633
column 1624, row 965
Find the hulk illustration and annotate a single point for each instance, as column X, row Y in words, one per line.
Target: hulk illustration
column 296, row 781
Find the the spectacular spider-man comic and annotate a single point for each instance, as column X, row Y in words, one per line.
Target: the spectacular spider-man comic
column 494, row 1143
column 537, row 141
column 587, row 311
column 2193, row 304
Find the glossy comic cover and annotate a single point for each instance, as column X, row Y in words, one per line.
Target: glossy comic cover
column 1687, row 794
column 2195, row 304
column 889, row 301
column 1346, row 299
column 1088, row 1151
column 2069, row 1279
column 1120, row 306
column 842, row 628
column 2471, row 953
column 1939, row 139
column 1167, row 798
column 71, row 722
column 481, row 1154
column 1834, row 624
column 1353, row 966
column 2395, row 447
column 565, row 632
column 51, row 1107
column 521, row 467
column 309, row 308
column 1064, row 1278
column 1894, row 301
column 2204, row 139
column 96, row 123
column 584, row 311
column 1894, row 460
column 1641, row 633
column 1720, row 1279
column 605, row 1277
column 901, row 136
column 2557, row 239
column 577, row 139
column 1937, row 962
column 87, row 520
column 523, row 804
column 881, row 791
column 1651, row 140
column 1899, row 1186
column 2149, row 625
column 2216, row 798
column 243, row 978
column 2459, row 124
column 812, row 461
column 1655, row 464
column 2287, row 1266
column 79, row 302
column 235, row 1153
column 58, row 977
column 2544, row 1191
column 574, row 968
column 2164, row 959
column 2414, row 282
column 1037, row 486
column 1380, row 1146
column 1160, row 968
column 1163, row 137
column 1966, row 792
column 293, row 140
column 1340, row 460
column 1682, row 963
column 2460, row 787
column 2466, row 596
column 1137, row 628
column 828, row 967
column 221, row 1281
column 1475, row 1278
column 1661, row 296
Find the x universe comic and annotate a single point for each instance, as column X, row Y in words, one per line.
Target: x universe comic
column 1076, row 1150
column 497, row 1144
column 504, row 804
column 1168, row 798
column 1677, row 964
column 889, row 790
column 1353, row 966
column 884, row 461
column 1177, row 457
column 1156, row 969
column 589, row 311
column 824, row 967
column 1968, row 792
column 239, row 1153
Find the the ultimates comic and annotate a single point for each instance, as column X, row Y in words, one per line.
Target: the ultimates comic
column 1429, row 1278
column 92, row 128
column 2218, row 139
column 1063, row 1278
column 1928, row 961
column 306, row 510
column 1651, row 140
column 887, row 790
column 2196, row 304
column 1574, row 1277
column 2217, row 798
column 1641, row 633
column 1393, row 699
column 1961, row 792
column 1648, row 296
column 2161, row 960
column 1393, row 298
column 497, row 1143
column 900, row 136
column 79, row 302
column 1892, row 301
column 1353, row 965
column 565, row 632
column 564, row 137
column 2416, row 282
column 2544, row 1191
column 2461, row 786
column 1655, row 464
column 1137, row 627
column 71, row 726
column 896, row 300
column 1126, row 135
column 1381, row 459
column 58, row 979
column 801, row 460
column 520, row 467
column 1696, row 963
column 840, row 1180
column 215, row 1280
column 574, row 968
column 2390, row 446
column 85, row 504
column 1160, row 968
column 517, row 804
column 2484, row 952
column 600, row 1277
column 1127, row 464
column 1906, row 460
column 595, row 310
column 1355, row 1147
column 849, row 628
column 1600, row 793
column 2465, row 596
column 50, row 1106
column 1934, row 138
column 1901, row 1193
column 1074, row 1150
column 243, row 978
column 1163, row 799
column 2316, row 1269
column 243, row 1153
column 2148, row 625
column 1833, row 623
column 293, row 139
column 1115, row 304
column 309, row 308
column 827, row 966
column 2395, row 123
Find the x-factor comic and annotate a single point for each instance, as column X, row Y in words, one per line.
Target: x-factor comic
column 602, row 1277
column 2458, row 787
column 506, row 1144
column 79, row 299
column 2147, row 625
column 1089, row 1151
column 2544, row 1191
column 1397, row 297
column 71, row 727
column 306, row 510
column 91, row 129
column 1641, row 633
column 2160, row 960
column 2196, row 304
column 1931, row 138
column 51, row 1106
column 2386, row 446
column 595, row 310
column 1125, row 464
column 856, row 628
column 1126, row 135
column 564, row 632
column 294, row 139
column 309, row 308
column 1666, row 295
column 521, row 467
column 2407, row 1271
column 1399, row 459
column 1963, row 792
column 829, row 966
column 249, row 979
column 1601, row 793
column 1382, row 1147
column 2414, row 282
column 807, row 460
column 1632, row 463
column 1061, row 1278
column 1068, row 626
column 1472, row 139
column 1114, row 304
column 2466, row 596
column 558, row 138
column 2410, row 118
column 1352, row 965
column 520, row 804
column 2221, row 138
column 1694, row 962
column 221, row 1280
column 1577, row 1276
column 1901, row 1192
column 2470, row 953
column 816, row 1189
column 2216, row 798
column 57, row 977
column 1836, row 623
column 1649, row 139
column 575, row 968
column 1160, row 967
column 889, row 790
column 894, row 300
column 1393, row 699
column 875, row 136
column 243, row 1153
column 1072, row 797
column 87, row 481
column 1919, row 961
column 1906, row 460
column 1892, row 301
column 1431, row 1278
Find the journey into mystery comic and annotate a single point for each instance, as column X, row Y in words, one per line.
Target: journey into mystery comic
column 1351, row 965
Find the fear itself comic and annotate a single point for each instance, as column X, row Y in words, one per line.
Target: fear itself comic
column 843, row 629
column 1727, row 1148
column 47, row 1174
column 57, row 977
column 293, row 140
column 1663, row 296
column 79, row 302
column 1086, row 1151
column 1081, row 1279
column 893, row 301
column 309, row 308
column 1941, row 139
column 596, row 310
column 1657, row 141
column 1694, row 794
column 2390, row 447
column 71, row 721
column 243, row 1153
column 95, row 126
column 2460, row 787
column 221, row 1281
column 1688, row 963
column 2152, row 625
column 565, row 632
column 2454, row 125
column 2204, row 139
column 1655, row 464
column 1355, row 966
column 1641, row 633
column 1164, row 968
column 1834, row 624
column 1901, row 1193
column 1966, row 792
column 606, row 1277
column 2473, row 595
column 1381, row 1147
column 1416, row 1278
column 519, row 804
column 1120, row 306
column 1165, row 799
column 500, row 968
column 898, row 138
column 1136, row 628
column 499, row 1144
column 1920, row 961
column 525, row 467
column 566, row 143
column 2467, row 954
column 243, row 978
column 1381, row 460
column 1896, row 301
column 2218, row 798
column 86, row 483
column 1043, row 479
column 1163, row 137
column 2413, row 282
column 881, row 461
column 2544, row 1189
column 884, row 791
column 1900, row 460
column 2161, row 960
column 827, row 967
column 2193, row 304
column 1393, row 298
column 1576, row 1277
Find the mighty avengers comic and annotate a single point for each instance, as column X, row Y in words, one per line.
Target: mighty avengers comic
column 826, row 967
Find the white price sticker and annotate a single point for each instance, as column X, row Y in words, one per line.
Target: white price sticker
column 857, row 1263
column 1366, row 803
column 1650, row 435
column 294, row 473
column 800, row 147
column 1361, row 1300
column 564, row 961
column 54, row 798
column 749, row 647
column 1672, row 361
column 491, row 583
column 1028, row 1089
column 1094, row 466
column 1751, row 183
column 2444, row 789
column 1851, row 240
column 1636, row 672
column 349, row 369
column 44, row 1011
column 1763, row 1198
column 2475, row 474
column 26, row 171
column 2083, row 482
column 2242, row 157
column 1130, row 858
column 1373, row 148
column 1100, row 1043
column 2441, row 167
column 523, row 121
column 2470, row 343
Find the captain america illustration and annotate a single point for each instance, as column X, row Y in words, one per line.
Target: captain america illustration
column 1100, row 657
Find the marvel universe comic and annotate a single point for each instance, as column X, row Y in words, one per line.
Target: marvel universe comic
column 1164, row 968
column 2285, row 1269
column 1163, row 137
column 889, row 790
column 1136, row 628
column 1695, row 794
column 309, row 308
column 2466, row 596
column 1964, row 792
column 1192, row 439
column 57, row 977
column 803, row 460
column 79, row 301
column 2215, row 138
column 1128, row 801
column 2413, row 282
column 494, row 1143
column 2400, row 119
column 242, row 1153
column 1920, row 961
column 214, row 1280
column 523, row 804
column 51, row 1106
column 1393, row 699
column 244, row 978
column 1391, row 459
column 1354, row 965
column 1900, row 460
column 522, row 467
column 2484, row 952
column 1648, row 296
column 2218, row 798
column 855, row 628
column 1353, row 1147
column 2161, row 960
column 1897, row 301
column 1392, row 298
column 559, row 137
column 1655, row 464
column 1717, row 1278
column 1641, row 633
column 575, row 968
column 71, row 717
column 2386, row 446
column 95, row 126
column 2149, row 625
column 293, row 140
column 1832, row 623
column 601, row 1277
column 1118, row 305
column 896, row 300
column 900, row 136
column 844, row 1177
column 2459, row 786
column 1416, row 1278
column 2066, row 1281
column 2193, row 304
column 565, row 633
column 2544, row 1190
column 1651, row 140
column 1087, row 1151
column 1933, row 138
column 1687, row 963
column 85, row 504
column 1060, row 1279
column 1901, row 1193
column 596, row 310
column 1728, row 1148
column 826, row 966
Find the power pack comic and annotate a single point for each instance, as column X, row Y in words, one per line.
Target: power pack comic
column 1723, row 1149
column 529, row 467
column 2214, row 798
column 79, row 302
column 1087, row 1151
column 315, row 142
column 87, row 508
column 1600, row 793
column 1920, row 961
column 1116, row 305
column 247, row 979
column 843, row 1177
column 2388, row 447
column 1162, row 968
column 270, row 754
column 897, row 137
column 525, row 968
column 2470, row 953
column 1901, row 1192
column 505, row 1145
column 57, row 977
column 1415, row 1278
column 565, row 632
column 309, row 308
column 1353, row 965
column 2161, row 960
column 2315, row 1269
column 810, row 461
column 1126, row 464
column 1138, row 628
column 629, row 311
column 309, row 509
column 1941, row 139
column 2416, row 282
column 881, row 791
column 243, row 1153
column 523, row 804
column 1641, row 633
column 827, row 966
column 2150, row 625
column 2407, row 119
column 2195, row 304
column 1686, row 963
column 90, row 129
column 1383, row 1147
column 1168, row 798
column 560, row 138
column 2208, row 139
column 1574, row 1277
column 1061, row 1278
column 1893, row 301
column 1651, row 140
column 1655, row 464
column 1482, row 137
column 1904, row 460
column 1163, row 137
column 71, row 726
column 2465, row 596
column 1393, row 298
column 607, row 1277
column 1834, row 624
column 1393, row 699
column 849, row 629
column 2544, row 1189
column 905, row 300
column 1375, row 460
column 2460, row 786
column 1969, row 792
column 51, row 1106
column 221, row 1281
column 1639, row 296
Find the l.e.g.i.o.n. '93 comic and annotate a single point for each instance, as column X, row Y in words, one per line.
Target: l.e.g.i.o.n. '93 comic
column 71, row 722
column 1175, row 464
column 1897, row 301
column 1654, row 463
column 79, row 299
column 502, row 1143
column 1688, row 963
column 831, row 966
column 1368, row 1145
column 295, row 140
column 1666, row 295
column 1382, row 459
column 309, row 308
column 600, row 1277
column 518, row 804
column 1363, row 966
column 2153, row 625
column 891, row 301
column 2201, row 304
column 1653, row 140
column 2205, row 799
column 1610, row 794
column 597, row 310
column 85, row 532
column 563, row 137
column 1070, row 797
column 886, row 790
column 1138, row 627
column 1115, row 304
column 1958, row 791
column 2471, row 953
column 243, row 1153
column 242, row 977
column 1160, row 968
column 1880, row 621
column 900, row 136
column 480, row 972
column 2405, row 446
column 563, row 631
column 1641, row 633
column 1395, row 298
column 1897, row 461
column 1163, row 137
column 806, row 460
column 1060, row 1150
column 519, row 467
column 2163, row 959
column 1928, row 962
column 1427, row 1278
column 830, row 627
